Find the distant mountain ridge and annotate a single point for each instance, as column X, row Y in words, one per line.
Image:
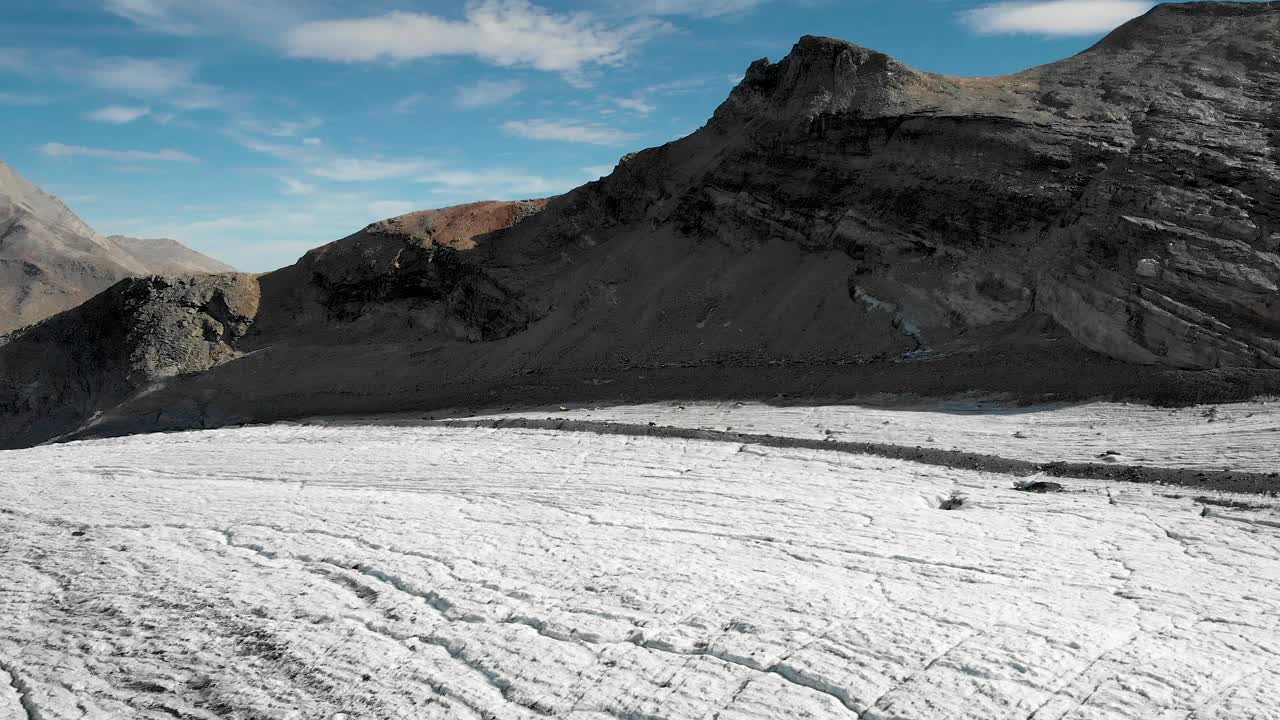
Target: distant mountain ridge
column 51, row 260
column 165, row 256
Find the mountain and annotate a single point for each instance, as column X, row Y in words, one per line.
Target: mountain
column 844, row 224
column 50, row 260
column 163, row 256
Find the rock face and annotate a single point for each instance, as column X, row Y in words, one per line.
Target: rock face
column 57, row 374
column 409, row 272
column 50, row 260
column 1045, row 231
column 1131, row 192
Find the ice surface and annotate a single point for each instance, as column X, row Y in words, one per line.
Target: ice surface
column 1237, row 436
column 296, row 571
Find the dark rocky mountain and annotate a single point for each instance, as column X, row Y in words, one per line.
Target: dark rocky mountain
column 1107, row 224
column 50, row 260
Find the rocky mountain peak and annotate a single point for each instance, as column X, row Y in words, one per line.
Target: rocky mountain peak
column 19, row 195
column 822, row 75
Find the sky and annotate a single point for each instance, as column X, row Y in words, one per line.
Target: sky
column 254, row 130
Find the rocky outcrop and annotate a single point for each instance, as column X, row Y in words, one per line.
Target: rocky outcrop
column 407, row 275
column 58, row 374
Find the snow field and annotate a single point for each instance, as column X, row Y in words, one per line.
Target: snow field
column 422, row 572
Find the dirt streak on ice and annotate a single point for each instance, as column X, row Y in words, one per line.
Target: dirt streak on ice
column 1237, row 436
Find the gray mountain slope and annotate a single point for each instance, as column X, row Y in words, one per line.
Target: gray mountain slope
column 164, row 256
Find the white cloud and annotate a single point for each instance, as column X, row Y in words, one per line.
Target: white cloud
column 290, row 128
column 13, row 99
column 156, row 80
column 262, row 18
column 138, row 170
column 350, row 169
column 16, row 60
column 568, row 132
column 502, row 32
column 694, row 8
column 290, row 153
column 407, row 103
column 496, row 183
column 487, row 93
column 140, row 76
column 315, row 158
column 60, row 150
column 296, row 187
column 167, row 80
column 118, row 114
column 1054, row 17
column 596, row 172
column 634, row 105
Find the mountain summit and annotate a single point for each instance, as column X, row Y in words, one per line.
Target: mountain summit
column 1105, row 225
column 50, row 260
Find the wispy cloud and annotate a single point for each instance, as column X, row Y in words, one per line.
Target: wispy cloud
column 16, row 60
column 262, row 18
column 693, row 8
column 635, row 105
column 314, row 158
column 568, row 132
column 351, row 169
column 152, row 80
column 502, row 32
column 296, row 187
column 140, row 76
column 55, row 149
column 247, row 123
column 497, row 183
column 14, row 99
column 408, row 103
column 487, row 93
column 118, row 114
column 1054, row 17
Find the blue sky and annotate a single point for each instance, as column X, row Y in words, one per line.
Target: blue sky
column 254, row 130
